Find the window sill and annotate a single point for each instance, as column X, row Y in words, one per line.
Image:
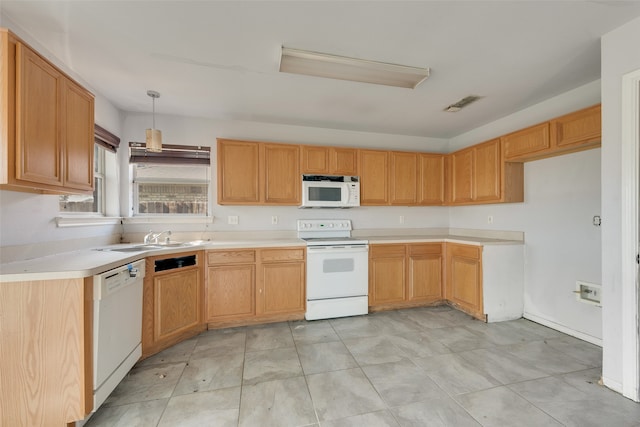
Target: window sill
column 86, row 221
column 168, row 219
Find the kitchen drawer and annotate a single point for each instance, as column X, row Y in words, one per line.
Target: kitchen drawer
column 231, row 257
column 464, row 251
column 288, row 254
column 386, row 250
column 425, row 249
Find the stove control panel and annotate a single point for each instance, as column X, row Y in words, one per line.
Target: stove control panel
column 324, row 224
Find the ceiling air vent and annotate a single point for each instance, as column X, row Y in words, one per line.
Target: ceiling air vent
column 454, row 108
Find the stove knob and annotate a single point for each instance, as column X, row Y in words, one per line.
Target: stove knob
column 330, row 225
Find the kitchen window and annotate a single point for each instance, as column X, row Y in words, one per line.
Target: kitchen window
column 104, row 158
column 172, row 182
column 89, row 203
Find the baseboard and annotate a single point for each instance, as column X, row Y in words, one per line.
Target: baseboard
column 561, row 328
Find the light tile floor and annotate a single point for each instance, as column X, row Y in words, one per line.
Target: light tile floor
column 415, row 367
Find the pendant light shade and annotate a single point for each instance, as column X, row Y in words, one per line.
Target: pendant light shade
column 154, row 136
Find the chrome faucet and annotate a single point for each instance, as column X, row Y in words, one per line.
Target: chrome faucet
column 152, row 238
column 148, row 238
column 157, row 236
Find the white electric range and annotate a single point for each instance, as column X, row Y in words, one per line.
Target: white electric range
column 337, row 269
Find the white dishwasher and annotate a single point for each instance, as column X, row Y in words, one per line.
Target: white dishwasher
column 117, row 326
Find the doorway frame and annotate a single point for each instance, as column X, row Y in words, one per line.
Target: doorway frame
column 630, row 115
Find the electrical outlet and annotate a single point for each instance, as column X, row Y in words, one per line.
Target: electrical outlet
column 490, row 219
column 588, row 292
column 274, row 219
column 232, row 219
column 401, row 219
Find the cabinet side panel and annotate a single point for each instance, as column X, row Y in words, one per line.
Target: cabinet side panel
column 42, row 352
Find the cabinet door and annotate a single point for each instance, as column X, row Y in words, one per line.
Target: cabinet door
column 238, row 172
column 403, row 178
column 431, row 179
column 387, row 268
column 282, row 288
column 177, row 302
column 487, row 171
column 374, row 177
column 282, row 174
column 78, row 131
column 315, row 160
column 527, row 142
column 343, row 161
column 38, row 120
column 281, row 284
column 464, row 279
column 425, row 273
column 230, row 292
column 462, row 176
column 579, row 128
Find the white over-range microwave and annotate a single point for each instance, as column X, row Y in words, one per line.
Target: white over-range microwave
column 330, row 191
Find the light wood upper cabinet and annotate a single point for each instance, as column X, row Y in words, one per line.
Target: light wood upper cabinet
column 47, row 124
column 281, row 174
column 238, row 172
column 431, row 179
column 464, row 278
column 487, row 173
column 403, row 180
column 328, row 160
column 581, row 128
column 479, row 175
column 462, row 176
column 78, row 154
column 374, row 177
column 526, row 142
column 253, row 173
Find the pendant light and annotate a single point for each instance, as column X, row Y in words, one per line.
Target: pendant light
column 154, row 136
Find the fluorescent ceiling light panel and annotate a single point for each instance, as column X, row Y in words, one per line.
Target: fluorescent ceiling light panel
column 343, row 68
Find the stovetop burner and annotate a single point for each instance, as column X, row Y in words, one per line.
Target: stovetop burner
column 318, row 232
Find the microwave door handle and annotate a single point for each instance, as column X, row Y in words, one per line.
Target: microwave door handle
column 345, row 194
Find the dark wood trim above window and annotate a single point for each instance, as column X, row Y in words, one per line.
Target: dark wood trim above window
column 106, row 139
column 170, row 154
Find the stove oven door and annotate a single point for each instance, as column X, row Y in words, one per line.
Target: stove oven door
column 337, row 271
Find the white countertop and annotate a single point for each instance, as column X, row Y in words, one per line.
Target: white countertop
column 91, row 261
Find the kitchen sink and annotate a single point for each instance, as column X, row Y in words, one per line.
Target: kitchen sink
column 147, row 247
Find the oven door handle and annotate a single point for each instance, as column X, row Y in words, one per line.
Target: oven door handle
column 337, row 249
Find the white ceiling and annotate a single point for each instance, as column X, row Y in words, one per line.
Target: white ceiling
column 220, row 59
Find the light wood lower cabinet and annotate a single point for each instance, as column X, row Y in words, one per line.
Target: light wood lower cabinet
column 464, row 278
column 247, row 286
column 172, row 303
column 404, row 275
column 46, row 330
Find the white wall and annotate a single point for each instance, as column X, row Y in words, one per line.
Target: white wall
column 620, row 55
column 199, row 131
column 562, row 194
